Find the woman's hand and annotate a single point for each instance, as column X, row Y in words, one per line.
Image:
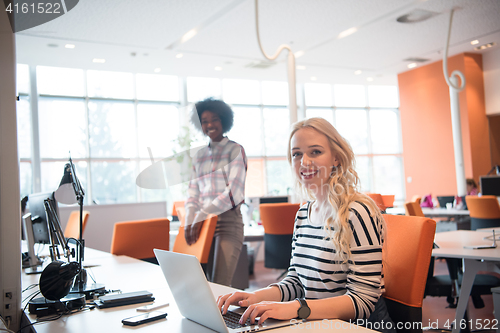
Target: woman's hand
column 239, row 298
column 276, row 310
column 192, row 231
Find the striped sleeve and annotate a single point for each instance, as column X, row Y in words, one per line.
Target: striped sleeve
column 364, row 277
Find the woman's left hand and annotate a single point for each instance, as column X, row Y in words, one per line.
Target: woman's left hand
column 276, row 310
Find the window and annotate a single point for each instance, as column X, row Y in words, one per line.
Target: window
column 114, row 123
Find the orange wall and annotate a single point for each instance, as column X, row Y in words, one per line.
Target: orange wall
column 426, row 126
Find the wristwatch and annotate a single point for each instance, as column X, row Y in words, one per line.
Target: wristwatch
column 304, row 311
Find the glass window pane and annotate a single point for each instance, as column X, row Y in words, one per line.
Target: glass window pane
column 148, row 195
column 155, row 87
column 349, row 95
column 112, row 129
column 24, row 127
column 241, row 91
column 199, row 88
column 388, row 176
column 363, row 169
column 274, row 93
column 254, row 185
column 353, row 126
column 52, row 172
column 113, row 182
column 318, row 94
column 25, row 178
column 247, row 130
column 383, row 96
column 62, row 126
column 276, row 131
column 60, row 81
column 279, row 177
column 158, row 125
column 384, row 127
column 321, row 113
column 110, row 84
column 23, row 79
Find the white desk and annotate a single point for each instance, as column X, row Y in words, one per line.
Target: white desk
column 128, row 274
column 432, row 212
column 451, row 245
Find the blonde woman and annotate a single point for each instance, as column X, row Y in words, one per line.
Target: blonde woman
column 336, row 266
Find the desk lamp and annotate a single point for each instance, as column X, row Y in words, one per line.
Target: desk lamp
column 70, row 191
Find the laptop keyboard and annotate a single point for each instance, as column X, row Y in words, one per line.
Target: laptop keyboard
column 232, row 320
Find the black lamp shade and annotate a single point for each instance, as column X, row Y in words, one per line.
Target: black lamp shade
column 57, row 278
column 66, row 193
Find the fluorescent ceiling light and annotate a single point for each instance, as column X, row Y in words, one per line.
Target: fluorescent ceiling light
column 485, row 46
column 357, row 72
column 412, row 65
column 347, row 32
column 157, row 70
column 301, row 67
column 188, row 35
column 299, row 54
column 474, row 42
column 218, row 68
column 313, row 78
column 99, row 61
column 369, row 79
column 69, row 46
column 179, row 55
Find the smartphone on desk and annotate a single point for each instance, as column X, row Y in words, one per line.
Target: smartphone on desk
column 144, row 318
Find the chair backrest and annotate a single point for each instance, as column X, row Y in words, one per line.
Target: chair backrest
column 413, row 209
column 377, row 197
column 388, row 200
column 406, row 257
column 200, row 249
column 175, row 208
column 484, row 211
column 278, row 218
column 416, row 198
column 137, row 239
column 72, row 229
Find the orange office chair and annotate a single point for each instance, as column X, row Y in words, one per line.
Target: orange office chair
column 484, row 211
column 278, row 220
column 378, row 200
column 417, row 198
column 413, row 209
column 175, row 208
column 72, row 229
column 137, row 239
column 388, row 200
column 406, row 257
column 200, row 249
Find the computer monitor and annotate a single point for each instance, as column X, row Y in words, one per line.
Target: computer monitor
column 39, row 216
column 490, row 185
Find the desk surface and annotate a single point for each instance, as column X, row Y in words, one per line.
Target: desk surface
column 432, row 212
column 451, row 245
column 128, row 274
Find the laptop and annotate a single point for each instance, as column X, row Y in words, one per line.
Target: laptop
column 195, row 299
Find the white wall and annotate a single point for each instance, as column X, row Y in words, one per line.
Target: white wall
column 102, row 218
column 491, row 70
column 10, row 208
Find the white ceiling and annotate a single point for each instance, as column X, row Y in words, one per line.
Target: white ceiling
column 139, row 36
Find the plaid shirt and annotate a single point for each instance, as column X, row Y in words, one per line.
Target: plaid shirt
column 208, row 185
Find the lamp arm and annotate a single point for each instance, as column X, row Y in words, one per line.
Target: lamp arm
column 77, row 186
column 55, row 228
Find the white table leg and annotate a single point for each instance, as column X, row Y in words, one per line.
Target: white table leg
column 471, row 267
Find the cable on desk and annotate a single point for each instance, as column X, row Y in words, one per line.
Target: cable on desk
column 31, row 286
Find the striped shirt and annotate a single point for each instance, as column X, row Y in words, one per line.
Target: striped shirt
column 208, row 184
column 315, row 271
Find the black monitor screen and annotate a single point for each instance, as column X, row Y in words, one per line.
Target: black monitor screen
column 39, row 217
column 273, row 199
column 490, row 185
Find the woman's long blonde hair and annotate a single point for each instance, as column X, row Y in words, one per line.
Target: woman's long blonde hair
column 343, row 186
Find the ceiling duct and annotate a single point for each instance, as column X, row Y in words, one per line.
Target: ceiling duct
column 415, row 59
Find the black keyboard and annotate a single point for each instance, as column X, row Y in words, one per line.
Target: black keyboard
column 232, row 320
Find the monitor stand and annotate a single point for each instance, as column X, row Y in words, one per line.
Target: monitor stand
column 33, row 263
